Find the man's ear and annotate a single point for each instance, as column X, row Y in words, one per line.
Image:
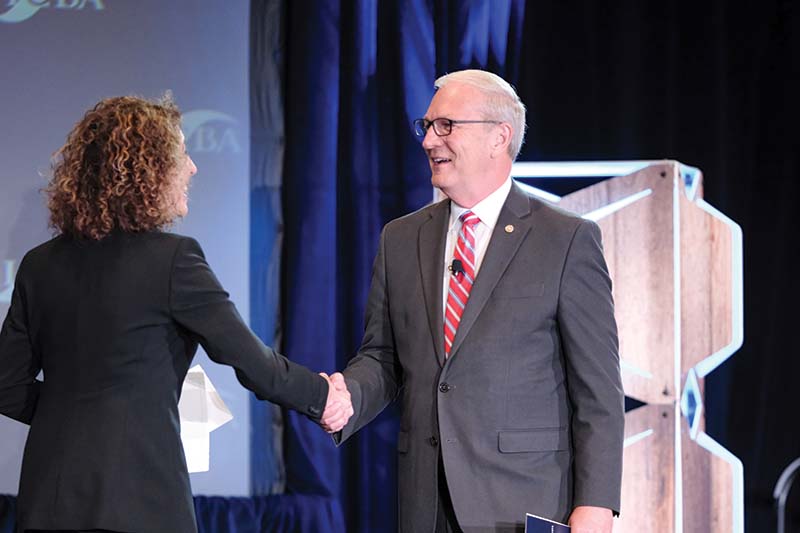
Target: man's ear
column 502, row 138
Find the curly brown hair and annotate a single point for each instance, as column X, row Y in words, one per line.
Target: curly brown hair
column 113, row 171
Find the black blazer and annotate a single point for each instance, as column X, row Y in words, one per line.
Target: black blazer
column 114, row 325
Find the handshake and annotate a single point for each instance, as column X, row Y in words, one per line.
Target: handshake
column 339, row 407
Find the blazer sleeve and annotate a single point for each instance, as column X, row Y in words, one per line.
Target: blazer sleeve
column 589, row 339
column 200, row 304
column 19, row 362
column 373, row 376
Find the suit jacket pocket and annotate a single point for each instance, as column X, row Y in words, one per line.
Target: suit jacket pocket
column 533, row 440
column 402, row 442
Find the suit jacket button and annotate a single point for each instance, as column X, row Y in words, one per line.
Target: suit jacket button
column 444, row 387
column 314, row 411
column 434, row 441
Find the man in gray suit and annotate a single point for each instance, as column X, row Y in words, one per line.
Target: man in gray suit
column 490, row 315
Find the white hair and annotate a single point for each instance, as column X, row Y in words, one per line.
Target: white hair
column 501, row 103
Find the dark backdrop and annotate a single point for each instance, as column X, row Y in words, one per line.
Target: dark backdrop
column 714, row 84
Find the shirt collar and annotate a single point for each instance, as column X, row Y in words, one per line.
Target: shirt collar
column 488, row 209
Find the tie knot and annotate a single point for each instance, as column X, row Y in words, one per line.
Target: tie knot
column 468, row 218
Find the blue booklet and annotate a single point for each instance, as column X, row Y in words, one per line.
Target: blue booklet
column 537, row 524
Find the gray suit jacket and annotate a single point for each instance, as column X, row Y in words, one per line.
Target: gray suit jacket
column 528, row 409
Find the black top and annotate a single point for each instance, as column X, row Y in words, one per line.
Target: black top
column 114, row 325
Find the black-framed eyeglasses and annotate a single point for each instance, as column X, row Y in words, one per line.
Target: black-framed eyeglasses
column 443, row 126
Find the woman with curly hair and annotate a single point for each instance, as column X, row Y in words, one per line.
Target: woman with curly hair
column 112, row 310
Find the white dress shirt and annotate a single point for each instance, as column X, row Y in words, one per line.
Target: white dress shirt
column 488, row 210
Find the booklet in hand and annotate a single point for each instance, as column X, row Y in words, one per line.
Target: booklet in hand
column 537, row 524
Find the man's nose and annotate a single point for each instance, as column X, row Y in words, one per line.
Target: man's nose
column 431, row 139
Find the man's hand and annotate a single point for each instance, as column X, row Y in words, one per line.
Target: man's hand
column 586, row 519
column 338, row 408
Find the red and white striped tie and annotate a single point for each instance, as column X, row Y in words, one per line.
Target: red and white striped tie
column 461, row 281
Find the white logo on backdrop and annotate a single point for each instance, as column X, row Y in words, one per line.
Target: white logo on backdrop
column 209, row 131
column 20, row 10
column 7, row 281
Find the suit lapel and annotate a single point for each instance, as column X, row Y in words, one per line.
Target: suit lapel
column 502, row 248
column 432, row 237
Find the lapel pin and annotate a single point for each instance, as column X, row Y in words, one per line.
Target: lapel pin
column 509, row 229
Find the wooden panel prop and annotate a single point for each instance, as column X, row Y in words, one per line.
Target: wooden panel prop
column 677, row 269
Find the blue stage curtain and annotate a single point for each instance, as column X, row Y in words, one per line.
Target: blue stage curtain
column 259, row 514
column 267, row 65
column 8, row 511
column 357, row 73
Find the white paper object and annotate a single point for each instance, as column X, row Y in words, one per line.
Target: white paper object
column 202, row 411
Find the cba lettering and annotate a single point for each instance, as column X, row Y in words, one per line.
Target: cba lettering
column 21, row 10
